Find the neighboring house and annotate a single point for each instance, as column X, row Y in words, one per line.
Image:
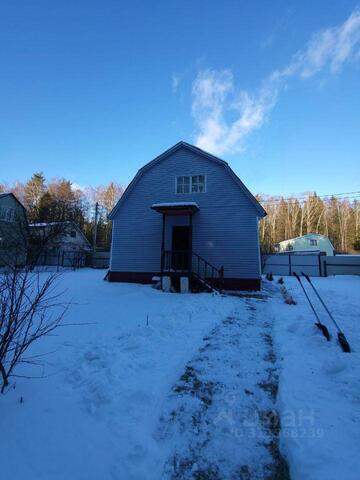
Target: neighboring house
column 13, row 231
column 186, row 213
column 309, row 242
column 59, row 243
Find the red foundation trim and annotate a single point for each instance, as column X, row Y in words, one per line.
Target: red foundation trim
column 146, row 278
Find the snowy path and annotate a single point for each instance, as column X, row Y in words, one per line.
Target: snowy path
column 220, row 414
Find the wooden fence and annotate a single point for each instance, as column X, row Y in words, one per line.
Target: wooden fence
column 69, row 259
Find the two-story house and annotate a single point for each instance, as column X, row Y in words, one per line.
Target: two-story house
column 186, row 213
column 59, row 243
column 13, row 231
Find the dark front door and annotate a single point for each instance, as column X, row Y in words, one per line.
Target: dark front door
column 180, row 248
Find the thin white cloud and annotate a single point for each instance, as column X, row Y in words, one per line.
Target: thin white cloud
column 341, row 43
column 224, row 117
column 280, row 26
column 214, row 100
column 210, row 91
column 175, row 82
column 327, row 49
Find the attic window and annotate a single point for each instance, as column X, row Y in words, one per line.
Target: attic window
column 313, row 242
column 191, row 184
column 73, row 234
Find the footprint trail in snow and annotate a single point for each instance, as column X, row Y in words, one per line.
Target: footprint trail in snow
column 220, row 416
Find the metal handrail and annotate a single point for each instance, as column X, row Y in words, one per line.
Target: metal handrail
column 213, row 268
column 170, row 260
column 189, row 261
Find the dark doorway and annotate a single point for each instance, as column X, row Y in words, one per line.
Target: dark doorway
column 180, row 248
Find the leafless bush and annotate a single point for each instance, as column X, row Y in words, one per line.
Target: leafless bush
column 30, row 308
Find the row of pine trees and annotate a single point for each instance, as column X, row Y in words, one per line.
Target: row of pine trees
column 59, row 200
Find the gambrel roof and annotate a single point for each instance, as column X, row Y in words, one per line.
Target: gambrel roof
column 198, row 151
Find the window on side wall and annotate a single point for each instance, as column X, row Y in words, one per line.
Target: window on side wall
column 7, row 214
column 11, row 215
column 191, row 184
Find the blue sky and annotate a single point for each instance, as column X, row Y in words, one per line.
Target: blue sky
column 92, row 90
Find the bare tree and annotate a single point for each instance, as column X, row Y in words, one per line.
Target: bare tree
column 106, row 196
column 30, row 308
column 343, row 219
column 337, row 218
column 357, row 220
column 294, row 210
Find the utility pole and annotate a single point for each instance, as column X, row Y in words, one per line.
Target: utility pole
column 95, row 225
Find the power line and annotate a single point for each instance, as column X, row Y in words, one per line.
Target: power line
column 302, row 202
column 350, row 196
column 314, row 194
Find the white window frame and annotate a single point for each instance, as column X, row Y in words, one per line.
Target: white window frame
column 190, row 183
column 176, row 184
column 313, row 242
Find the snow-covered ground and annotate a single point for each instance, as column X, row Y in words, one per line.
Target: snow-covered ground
column 154, row 385
column 127, row 394
column 319, row 388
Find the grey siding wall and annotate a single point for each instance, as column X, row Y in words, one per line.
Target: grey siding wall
column 225, row 230
column 13, row 235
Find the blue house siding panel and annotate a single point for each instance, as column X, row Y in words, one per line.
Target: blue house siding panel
column 228, row 239
column 224, row 230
